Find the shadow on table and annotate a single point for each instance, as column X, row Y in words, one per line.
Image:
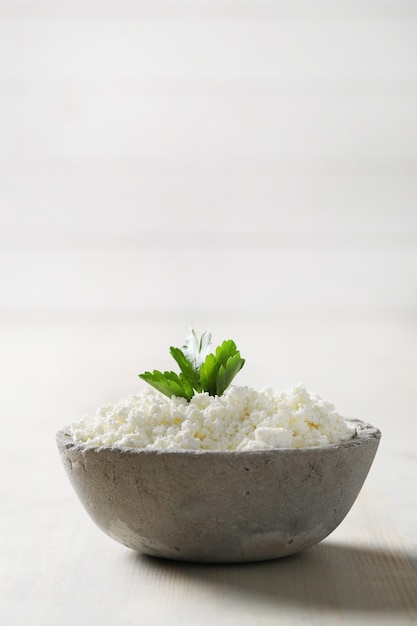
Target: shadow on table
column 328, row 576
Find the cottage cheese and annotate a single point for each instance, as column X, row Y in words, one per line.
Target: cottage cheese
column 240, row 419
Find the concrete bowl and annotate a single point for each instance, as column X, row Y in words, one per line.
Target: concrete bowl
column 220, row 506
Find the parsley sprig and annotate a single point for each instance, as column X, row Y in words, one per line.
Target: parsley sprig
column 200, row 370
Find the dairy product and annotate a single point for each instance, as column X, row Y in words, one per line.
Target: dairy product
column 240, row 419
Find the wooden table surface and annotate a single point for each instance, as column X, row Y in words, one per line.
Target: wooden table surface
column 58, row 568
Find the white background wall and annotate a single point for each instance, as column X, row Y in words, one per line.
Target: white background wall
column 247, row 165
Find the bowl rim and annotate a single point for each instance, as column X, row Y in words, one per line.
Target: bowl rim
column 362, row 431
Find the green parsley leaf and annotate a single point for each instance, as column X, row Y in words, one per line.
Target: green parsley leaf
column 169, row 383
column 219, row 369
column 200, row 371
column 187, row 368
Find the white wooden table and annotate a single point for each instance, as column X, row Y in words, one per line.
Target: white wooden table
column 58, row 568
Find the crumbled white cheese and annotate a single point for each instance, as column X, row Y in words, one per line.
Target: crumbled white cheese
column 240, row 419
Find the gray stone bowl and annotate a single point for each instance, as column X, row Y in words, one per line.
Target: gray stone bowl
column 220, row 506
